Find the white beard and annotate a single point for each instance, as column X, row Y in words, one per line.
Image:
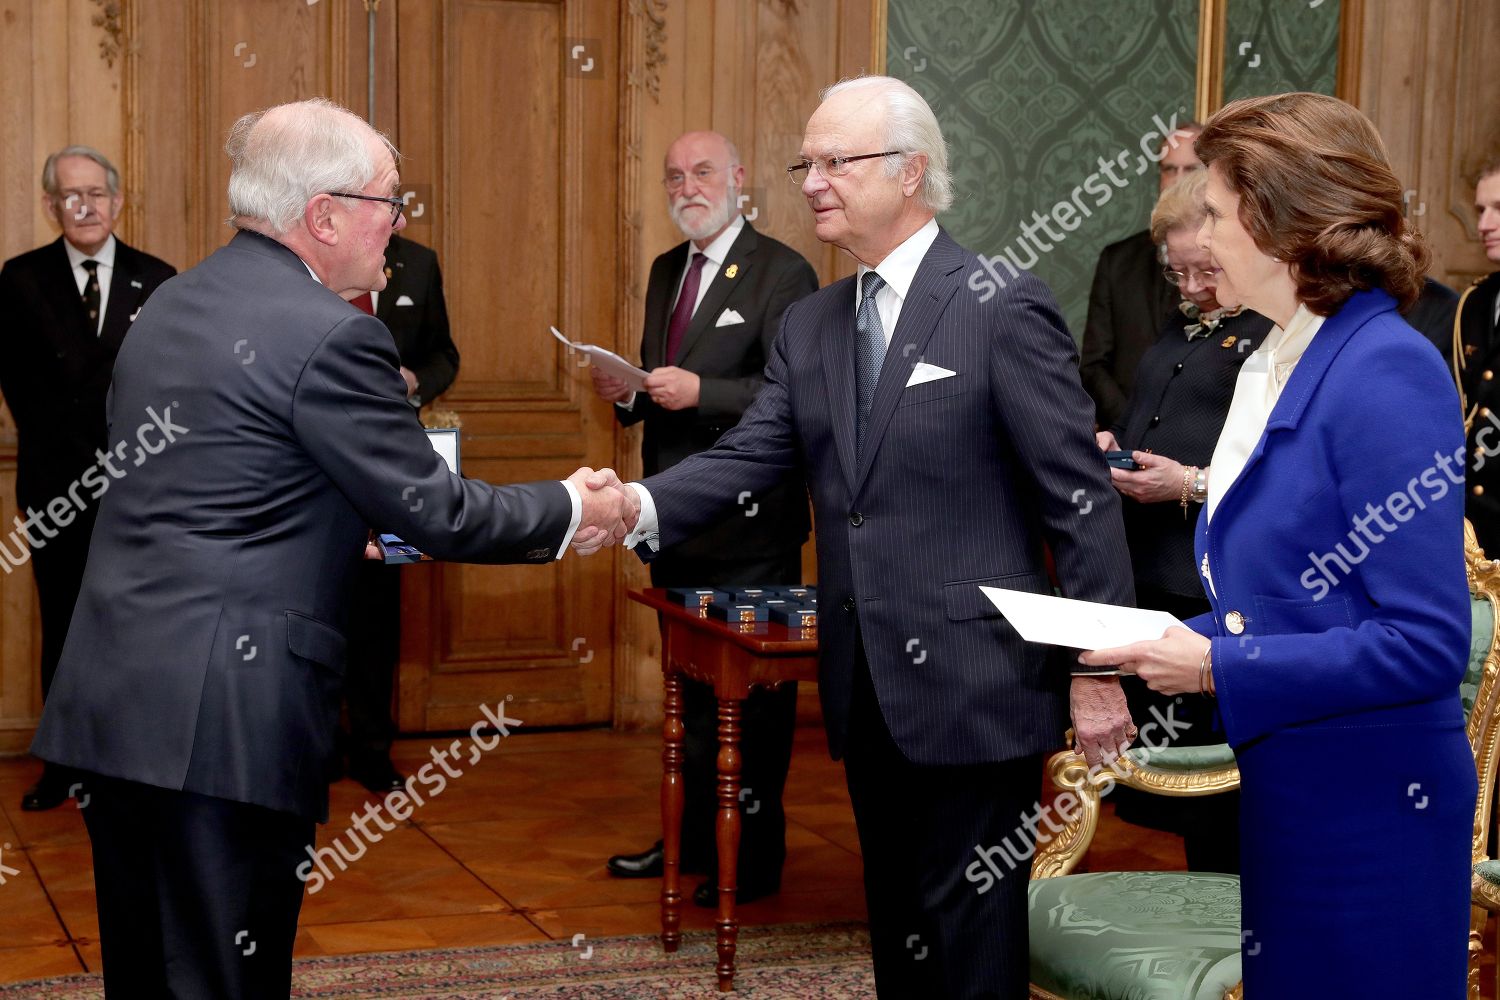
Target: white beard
column 717, row 218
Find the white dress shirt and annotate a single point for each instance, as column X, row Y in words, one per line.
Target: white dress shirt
column 106, row 269
column 898, row 271
column 716, row 252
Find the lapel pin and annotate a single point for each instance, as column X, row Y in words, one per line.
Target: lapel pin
column 389, row 273
column 135, row 284
column 1228, row 341
column 731, row 270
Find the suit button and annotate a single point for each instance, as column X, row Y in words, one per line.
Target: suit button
column 848, row 604
column 1177, row 369
column 1155, row 420
column 856, row 518
column 1234, row 622
column 1479, row 491
column 1488, row 376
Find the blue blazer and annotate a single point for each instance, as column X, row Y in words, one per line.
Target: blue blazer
column 1340, row 545
column 960, row 482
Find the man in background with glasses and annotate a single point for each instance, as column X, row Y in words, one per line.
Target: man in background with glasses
column 947, row 443
column 68, row 305
column 713, row 309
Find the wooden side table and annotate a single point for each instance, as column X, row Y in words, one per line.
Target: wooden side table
column 732, row 658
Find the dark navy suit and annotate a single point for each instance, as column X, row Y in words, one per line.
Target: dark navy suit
column 1339, row 693
column 940, row 710
column 265, row 428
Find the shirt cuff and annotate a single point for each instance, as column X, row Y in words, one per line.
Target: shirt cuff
column 577, row 516
column 646, row 527
column 628, row 405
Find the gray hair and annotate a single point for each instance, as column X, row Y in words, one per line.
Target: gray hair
column 49, row 169
column 910, row 127
column 283, row 156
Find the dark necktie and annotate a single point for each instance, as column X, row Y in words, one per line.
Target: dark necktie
column 687, row 300
column 364, row 302
column 91, row 296
column 869, row 347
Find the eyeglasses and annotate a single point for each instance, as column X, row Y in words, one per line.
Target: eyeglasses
column 830, row 166
column 397, row 205
column 676, row 178
column 1180, row 278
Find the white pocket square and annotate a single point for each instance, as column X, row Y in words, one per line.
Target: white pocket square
column 728, row 318
column 404, row 300
column 923, row 372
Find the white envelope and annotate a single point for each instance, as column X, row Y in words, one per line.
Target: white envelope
column 728, row 318
column 1060, row 621
column 923, row 372
column 404, row 300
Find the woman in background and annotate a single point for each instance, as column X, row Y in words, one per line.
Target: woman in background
column 1331, row 548
column 1182, row 390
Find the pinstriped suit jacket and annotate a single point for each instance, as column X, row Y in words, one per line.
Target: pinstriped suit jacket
column 960, row 482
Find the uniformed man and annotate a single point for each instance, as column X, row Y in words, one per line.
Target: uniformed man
column 1476, row 360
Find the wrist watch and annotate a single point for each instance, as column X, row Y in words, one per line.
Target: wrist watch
column 1200, row 486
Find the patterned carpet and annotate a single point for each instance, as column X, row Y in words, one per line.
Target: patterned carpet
column 798, row 962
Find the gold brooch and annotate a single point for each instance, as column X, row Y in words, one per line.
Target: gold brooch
column 1470, row 350
column 1228, row 341
column 731, row 270
column 389, row 274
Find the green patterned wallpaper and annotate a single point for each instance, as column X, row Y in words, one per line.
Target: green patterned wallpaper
column 1049, row 103
column 1273, row 46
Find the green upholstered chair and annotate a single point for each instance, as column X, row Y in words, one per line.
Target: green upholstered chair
column 1176, row 935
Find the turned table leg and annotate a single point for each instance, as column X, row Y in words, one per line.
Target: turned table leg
column 728, row 834
column 671, row 812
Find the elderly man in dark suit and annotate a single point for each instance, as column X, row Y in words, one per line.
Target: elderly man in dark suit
column 68, row 305
column 713, row 307
column 200, row 682
column 947, row 443
column 413, row 307
column 1130, row 300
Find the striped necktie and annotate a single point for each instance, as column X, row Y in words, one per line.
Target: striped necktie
column 870, row 347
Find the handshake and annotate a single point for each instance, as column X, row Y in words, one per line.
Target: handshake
column 610, row 509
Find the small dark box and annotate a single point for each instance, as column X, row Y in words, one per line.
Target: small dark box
column 695, row 597
column 726, row 611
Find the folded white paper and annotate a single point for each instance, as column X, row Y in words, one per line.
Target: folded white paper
column 728, row 318
column 923, row 372
column 607, row 361
column 1060, row 621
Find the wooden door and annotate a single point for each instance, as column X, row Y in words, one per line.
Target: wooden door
column 506, row 118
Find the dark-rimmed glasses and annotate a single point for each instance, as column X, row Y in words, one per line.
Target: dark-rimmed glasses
column 397, row 205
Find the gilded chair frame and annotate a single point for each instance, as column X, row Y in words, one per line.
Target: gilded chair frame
column 1061, row 854
column 1484, row 581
